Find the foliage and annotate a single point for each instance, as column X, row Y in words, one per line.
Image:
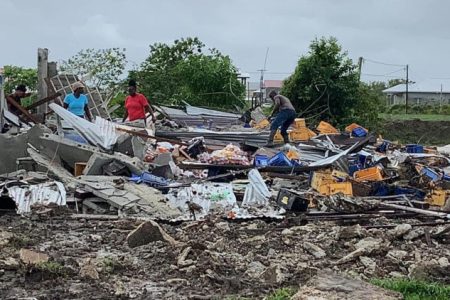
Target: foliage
column 421, row 117
column 51, row 267
column 415, row 290
column 111, row 265
column 100, row 67
column 20, row 241
column 186, row 71
column 15, row 75
column 325, row 83
column 281, row 294
column 118, row 99
column 420, row 109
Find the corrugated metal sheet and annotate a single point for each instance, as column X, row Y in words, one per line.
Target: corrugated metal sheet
column 27, row 195
column 102, row 133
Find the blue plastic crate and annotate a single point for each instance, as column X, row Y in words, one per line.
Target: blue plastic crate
column 353, row 168
column 261, row 160
column 359, row 132
column 383, row 147
column 409, row 191
column 413, row 148
column 430, row 174
column 280, row 160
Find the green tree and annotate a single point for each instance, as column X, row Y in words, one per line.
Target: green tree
column 325, row 86
column 187, row 71
column 17, row 75
column 99, row 67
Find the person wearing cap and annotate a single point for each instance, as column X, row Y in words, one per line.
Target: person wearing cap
column 19, row 93
column 136, row 105
column 77, row 102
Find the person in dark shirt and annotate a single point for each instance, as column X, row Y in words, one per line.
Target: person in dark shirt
column 19, row 93
column 285, row 116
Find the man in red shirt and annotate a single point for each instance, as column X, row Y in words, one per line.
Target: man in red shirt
column 136, row 105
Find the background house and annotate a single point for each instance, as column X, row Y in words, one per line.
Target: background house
column 425, row 92
column 272, row 85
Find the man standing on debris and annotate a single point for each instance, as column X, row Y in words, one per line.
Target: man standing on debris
column 285, row 112
column 136, row 105
column 19, row 93
column 77, row 102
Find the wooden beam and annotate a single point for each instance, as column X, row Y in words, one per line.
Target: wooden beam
column 42, row 101
column 42, row 68
column 21, row 109
column 144, row 135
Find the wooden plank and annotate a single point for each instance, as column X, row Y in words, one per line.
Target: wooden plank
column 21, row 109
column 42, row 74
column 42, row 101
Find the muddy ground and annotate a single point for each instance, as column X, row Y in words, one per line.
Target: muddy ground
column 416, row 131
column 213, row 259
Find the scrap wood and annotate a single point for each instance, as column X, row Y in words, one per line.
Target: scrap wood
column 21, row 109
column 418, row 210
column 42, row 101
column 144, row 135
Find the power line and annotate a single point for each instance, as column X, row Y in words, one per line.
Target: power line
column 384, row 75
column 382, row 63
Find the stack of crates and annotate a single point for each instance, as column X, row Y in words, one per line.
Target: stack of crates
column 300, row 131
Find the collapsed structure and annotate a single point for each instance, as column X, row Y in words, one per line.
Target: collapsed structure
column 198, row 164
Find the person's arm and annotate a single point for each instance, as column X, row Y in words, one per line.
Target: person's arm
column 66, row 102
column 88, row 113
column 125, row 115
column 148, row 109
column 276, row 107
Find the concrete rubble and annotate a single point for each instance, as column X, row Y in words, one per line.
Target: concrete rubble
column 205, row 212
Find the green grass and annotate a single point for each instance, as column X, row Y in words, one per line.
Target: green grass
column 282, row 294
column 415, row 290
column 422, row 117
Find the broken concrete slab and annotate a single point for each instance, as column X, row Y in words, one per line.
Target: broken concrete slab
column 400, row 230
column 15, row 146
column 32, row 257
column 96, row 162
column 314, row 250
column 331, row 286
column 148, row 232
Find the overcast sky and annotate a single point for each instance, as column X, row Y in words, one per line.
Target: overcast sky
column 392, row 31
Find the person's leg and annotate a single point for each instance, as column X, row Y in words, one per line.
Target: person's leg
column 287, row 121
column 279, row 119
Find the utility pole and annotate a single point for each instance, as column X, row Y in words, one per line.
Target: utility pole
column 407, row 94
column 2, row 104
column 360, row 62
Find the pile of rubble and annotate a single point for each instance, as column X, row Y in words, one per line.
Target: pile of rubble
column 202, row 208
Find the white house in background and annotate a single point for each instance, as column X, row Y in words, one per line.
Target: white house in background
column 420, row 93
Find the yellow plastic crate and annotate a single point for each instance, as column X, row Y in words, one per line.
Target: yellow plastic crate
column 345, row 188
column 326, row 128
column 299, row 123
column 369, row 174
column 299, row 135
column 437, row 197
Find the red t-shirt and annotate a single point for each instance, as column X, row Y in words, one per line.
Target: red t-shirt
column 135, row 106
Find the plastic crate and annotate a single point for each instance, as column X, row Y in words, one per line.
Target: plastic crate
column 413, row 148
column 369, row 174
column 280, row 160
column 299, row 123
column 359, row 132
column 341, row 187
column 299, row 135
column 261, row 160
column 290, row 200
column 352, row 126
column 326, row 128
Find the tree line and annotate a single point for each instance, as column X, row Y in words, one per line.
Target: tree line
column 324, row 85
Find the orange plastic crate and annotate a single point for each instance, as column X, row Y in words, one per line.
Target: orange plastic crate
column 369, row 174
column 326, row 128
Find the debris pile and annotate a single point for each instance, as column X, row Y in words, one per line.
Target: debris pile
column 205, row 208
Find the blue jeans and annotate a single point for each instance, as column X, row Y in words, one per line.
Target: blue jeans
column 284, row 119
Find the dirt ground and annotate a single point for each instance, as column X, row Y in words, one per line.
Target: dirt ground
column 416, row 131
column 213, row 259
